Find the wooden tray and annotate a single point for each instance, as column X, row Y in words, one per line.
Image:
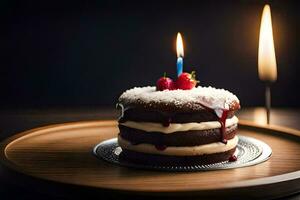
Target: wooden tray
column 63, row 153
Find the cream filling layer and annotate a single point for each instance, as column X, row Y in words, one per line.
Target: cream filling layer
column 211, row 148
column 176, row 127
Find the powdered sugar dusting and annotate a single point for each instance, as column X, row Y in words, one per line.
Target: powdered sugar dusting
column 216, row 99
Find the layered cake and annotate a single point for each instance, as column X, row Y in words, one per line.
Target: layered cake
column 178, row 126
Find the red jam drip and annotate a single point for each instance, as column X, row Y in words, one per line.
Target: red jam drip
column 222, row 121
column 160, row 147
column 232, row 158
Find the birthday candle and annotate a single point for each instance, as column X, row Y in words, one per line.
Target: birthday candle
column 179, row 65
column 180, row 54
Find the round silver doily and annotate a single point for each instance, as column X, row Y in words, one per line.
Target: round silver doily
column 249, row 152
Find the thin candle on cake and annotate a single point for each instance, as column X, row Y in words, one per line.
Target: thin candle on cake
column 267, row 67
column 180, row 54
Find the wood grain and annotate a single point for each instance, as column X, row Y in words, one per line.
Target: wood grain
column 63, row 153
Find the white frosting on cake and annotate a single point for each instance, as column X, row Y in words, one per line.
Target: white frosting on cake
column 216, row 99
column 211, row 148
column 176, row 127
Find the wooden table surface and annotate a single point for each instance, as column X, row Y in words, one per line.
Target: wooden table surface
column 17, row 121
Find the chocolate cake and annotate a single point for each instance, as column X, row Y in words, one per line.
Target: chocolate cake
column 174, row 127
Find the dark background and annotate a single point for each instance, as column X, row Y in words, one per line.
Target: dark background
column 68, row 53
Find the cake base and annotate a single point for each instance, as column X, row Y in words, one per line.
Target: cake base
column 249, row 152
column 149, row 159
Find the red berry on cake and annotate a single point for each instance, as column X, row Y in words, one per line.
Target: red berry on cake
column 165, row 83
column 186, row 81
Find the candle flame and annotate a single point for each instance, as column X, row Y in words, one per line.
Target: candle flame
column 179, row 46
column 267, row 68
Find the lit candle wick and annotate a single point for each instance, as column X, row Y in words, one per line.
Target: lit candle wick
column 180, row 54
column 267, row 67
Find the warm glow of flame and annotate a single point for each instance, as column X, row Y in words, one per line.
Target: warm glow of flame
column 179, row 46
column 267, row 68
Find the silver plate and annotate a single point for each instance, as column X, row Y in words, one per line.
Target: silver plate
column 249, row 152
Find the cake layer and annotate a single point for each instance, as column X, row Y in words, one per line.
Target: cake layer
column 151, row 159
column 211, row 148
column 181, row 101
column 186, row 138
column 144, row 115
column 178, row 127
